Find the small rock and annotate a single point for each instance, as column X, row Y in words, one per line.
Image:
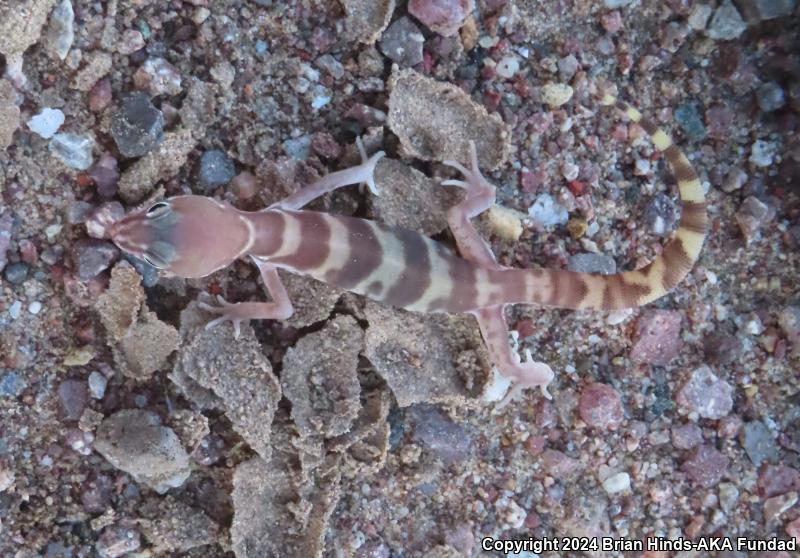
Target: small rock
column 47, row 122
column 556, row 94
column 770, row 96
column 135, row 442
column 600, row 407
column 560, row 465
column 687, row 436
column 60, row 32
column 402, row 42
column 137, row 126
column 444, row 17
column 614, row 4
column 762, row 153
column 329, row 64
column 751, row 216
column 73, row 150
column 706, row 466
column 158, row 77
column 97, row 384
column 735, row 179
column 698, row 18
column 98, row 65
column 617, row 483
column 567, row 67
column 726, row 24
column 770, row 9
column 216, row 169
column 100, row 95
column 657, row 339
column 16, row 273
column 72, row 399
column 706, row 395
column 117, row 541
column 436, row 432
column 592, row 263
column 546, row 212
column 132, row 40
column 660, row 214
column 673, row 35
column 611, row 21
column 774, row 507
column 106, row 176
column 688, row 118
column 11, row 384
column 507, row 67
column 92, row 256
column 722, row 349
column 774, row 480
column 758, row 442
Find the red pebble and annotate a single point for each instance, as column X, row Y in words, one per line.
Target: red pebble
column 576, row 187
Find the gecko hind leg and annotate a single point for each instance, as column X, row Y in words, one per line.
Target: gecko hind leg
column 279, row 309
column 491, row 319
column 360, row 174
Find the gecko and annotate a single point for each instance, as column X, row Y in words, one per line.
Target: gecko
column 193, row 236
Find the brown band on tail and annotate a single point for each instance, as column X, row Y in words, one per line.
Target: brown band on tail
column 634, row 288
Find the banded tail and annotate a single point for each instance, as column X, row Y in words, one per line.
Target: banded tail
column 567, row 289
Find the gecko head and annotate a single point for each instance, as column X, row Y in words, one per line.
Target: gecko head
column 188, row 236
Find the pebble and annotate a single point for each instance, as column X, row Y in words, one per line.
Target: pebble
column 721, row 348
column 734, row 180
column 91, row 256
column 35, row 307
column 12, row 384
column 137, row 126
column 592, row 263
column 47, row 122
column 132, row 40
column 60, row 33
column 706, row 466
column 770, row 9
column 758, row 443
column 657, row 339
column 329, row 64
column 437, row 433
column 73, row 150
column 600, row 407
column 688, row 118
column 770, row 96
column 660, row 215
column 673, row 35
column 216, row 169
column 705, row 394
column 117, row 541
column 149, row 273
column 559, row 465
column 698, row 18
column 402, row 42
column 507, row 67
column 567, row 67
column 158, row 77
column 617, row 483
column 78, row 211
column 762, row 153
column 726, row 24
column 546, row 212
column 611, row 21
column 614, row 4
column 751, row 216
column 100, row 96
column 16, row 273
column 72, row 399
column 15, row 310
column 556, row 94
column 97, row 384
column 444, row 17
column 774, row 480
column 687, row 436
column 106, row 176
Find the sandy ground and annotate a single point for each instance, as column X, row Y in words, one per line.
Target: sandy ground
column 127, row 429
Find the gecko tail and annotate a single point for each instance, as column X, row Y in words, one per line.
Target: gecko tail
column 630, row 289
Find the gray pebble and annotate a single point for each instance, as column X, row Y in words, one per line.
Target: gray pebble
column 216, row 169
column 137, row 126
column 16, row 273
column 770, row 96
column 402, row 42
column 592, row 263
column 92, row 256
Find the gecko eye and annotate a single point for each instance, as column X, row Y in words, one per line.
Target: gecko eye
column 157, row 210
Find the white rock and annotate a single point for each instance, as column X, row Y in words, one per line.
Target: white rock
column 507, row 67
column 73, row 150
column 617, row 483
column 547, row 212
column 556, row 94
column 60, row 33
column 47, row 122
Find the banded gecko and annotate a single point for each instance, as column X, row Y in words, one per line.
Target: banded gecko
column 194, row 236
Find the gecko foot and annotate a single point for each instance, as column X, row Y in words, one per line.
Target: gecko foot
column 528, row 374
column 230, row 312
column 368, row 164
column 473, row 179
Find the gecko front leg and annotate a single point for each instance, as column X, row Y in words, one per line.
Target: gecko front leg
column 491, row 319
column 237, row 312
